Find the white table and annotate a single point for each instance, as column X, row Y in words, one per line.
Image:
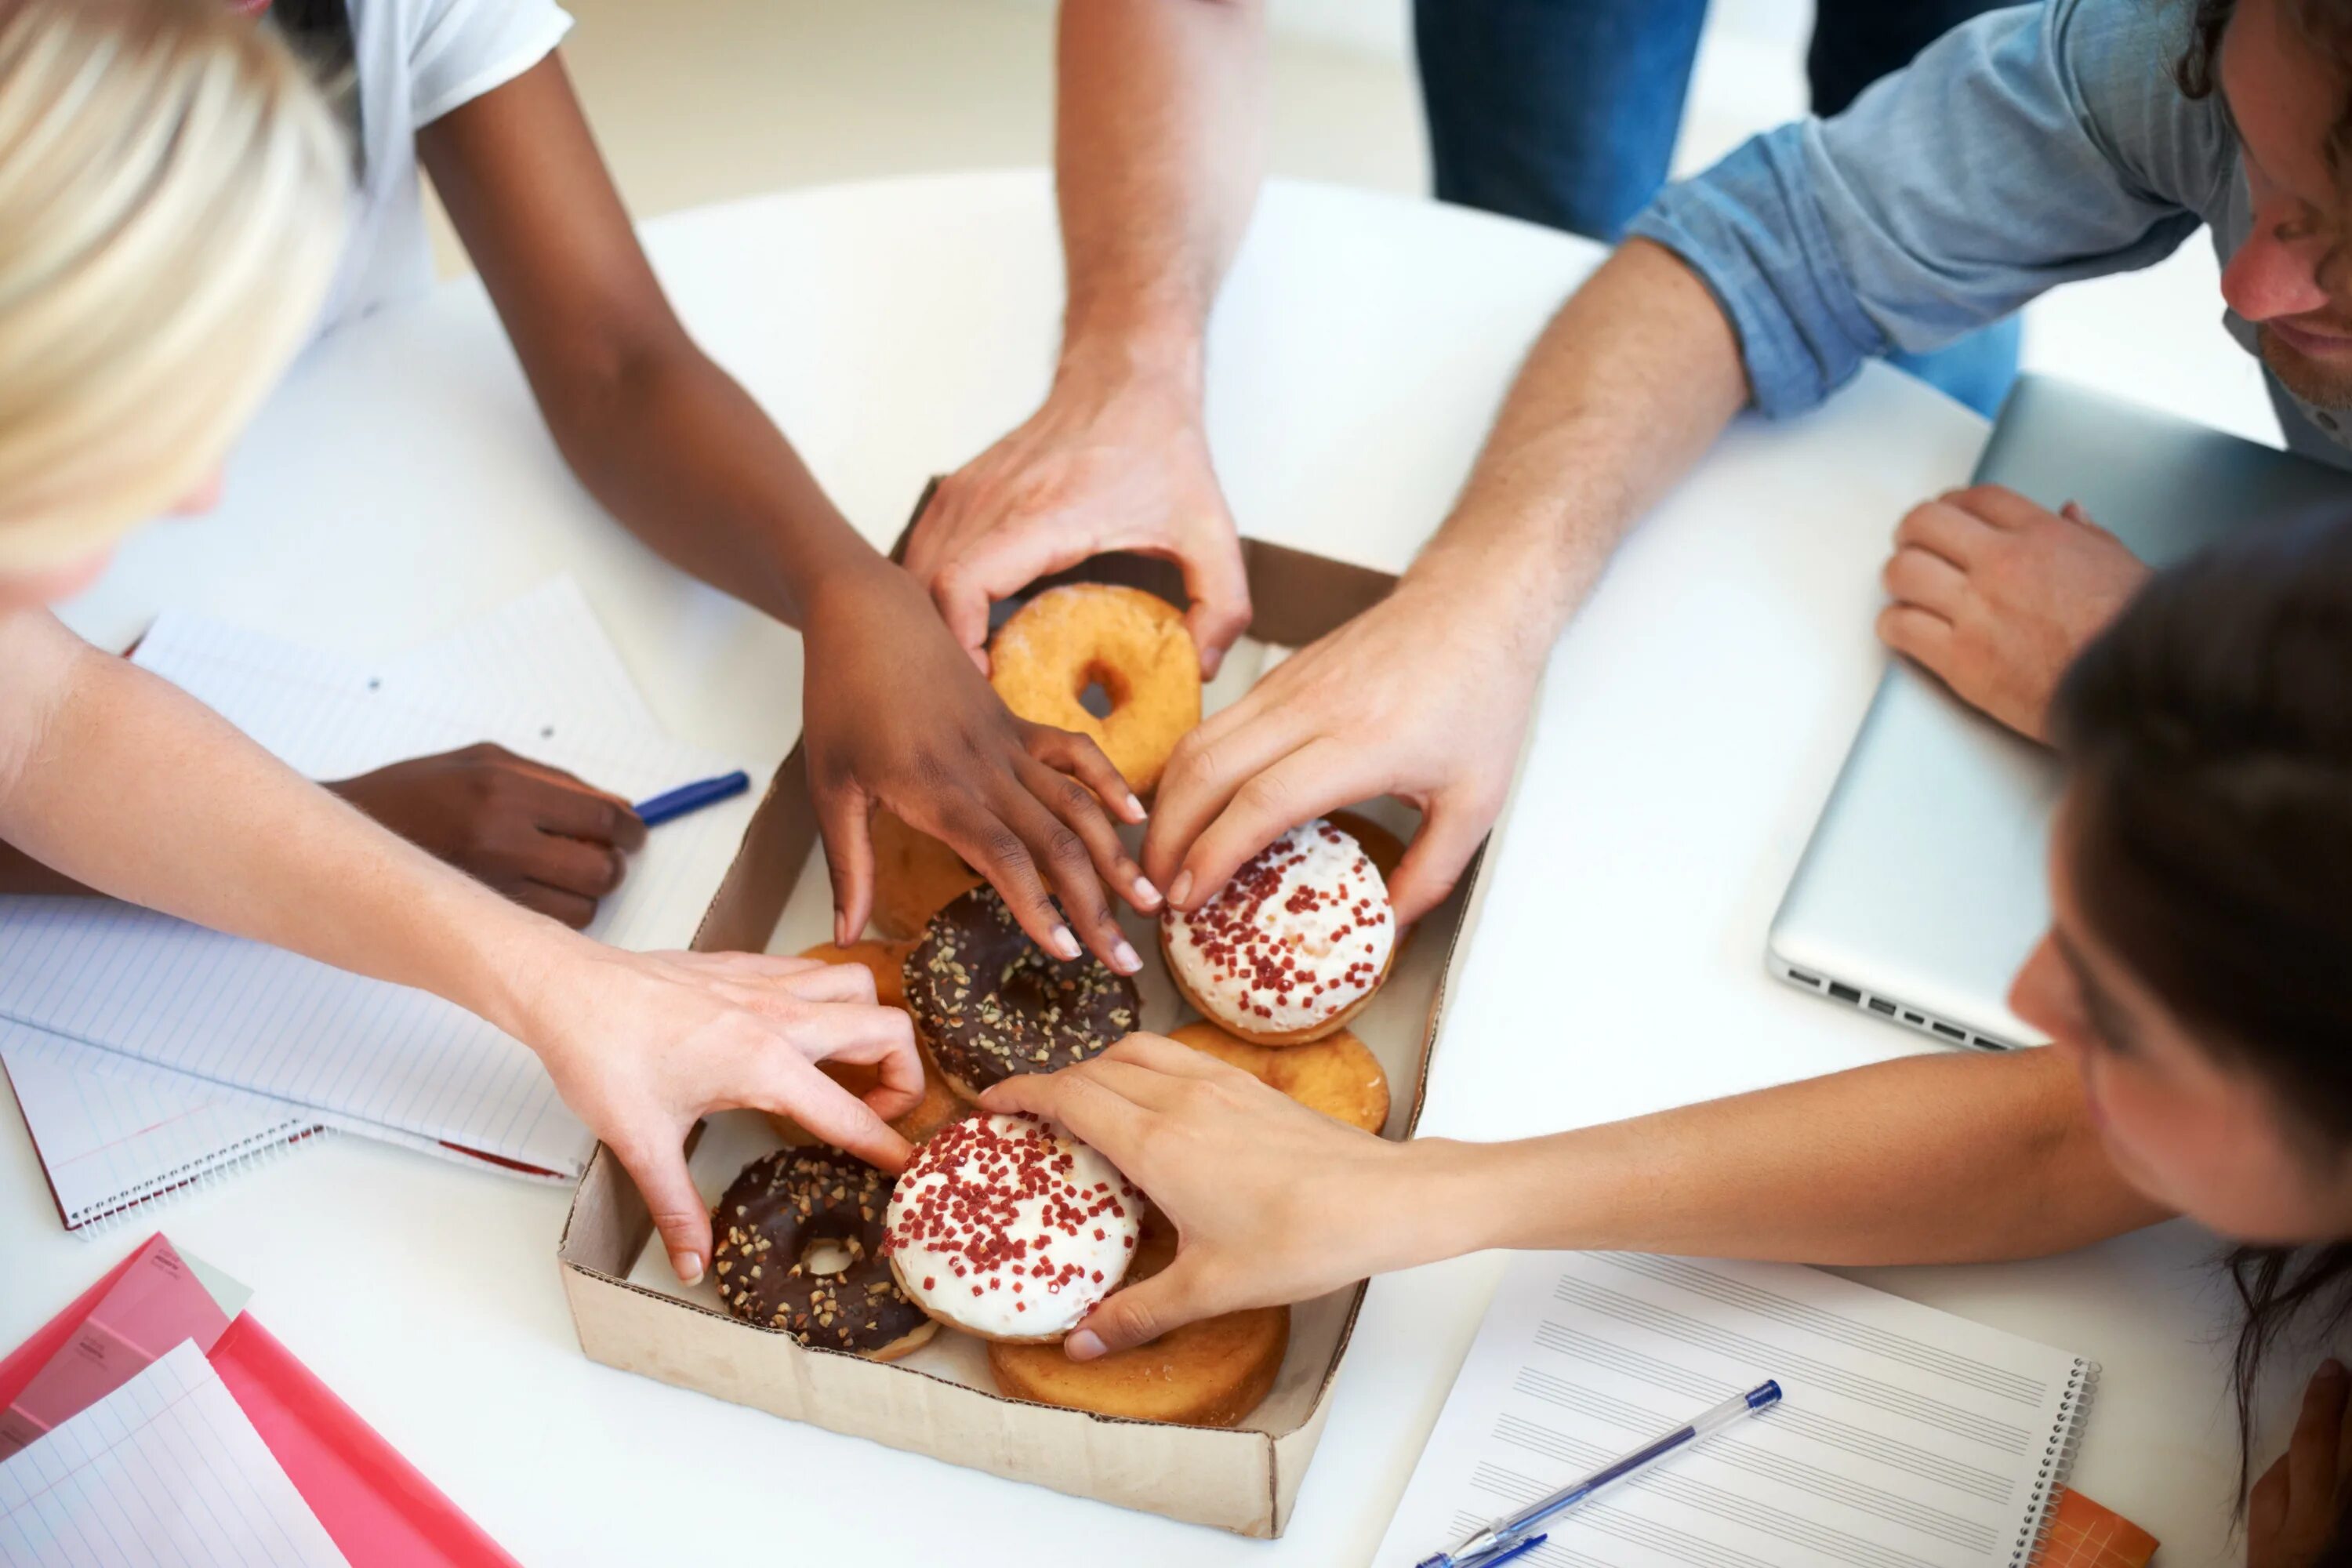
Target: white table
column 1691, row 725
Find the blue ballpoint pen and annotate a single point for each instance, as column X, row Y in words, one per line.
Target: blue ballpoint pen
column 1506, row 1538
column 676, row 803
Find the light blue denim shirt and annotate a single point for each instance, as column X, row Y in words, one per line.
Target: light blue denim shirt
column 2025, row 149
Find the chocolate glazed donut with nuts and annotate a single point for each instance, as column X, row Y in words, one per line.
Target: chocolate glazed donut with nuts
column 774, row 1214
column 988, row 1004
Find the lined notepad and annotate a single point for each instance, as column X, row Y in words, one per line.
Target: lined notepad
column 538, row 678
column 164, row 1472
column 1905, row 1438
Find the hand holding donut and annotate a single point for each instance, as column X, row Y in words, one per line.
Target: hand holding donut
column 1425, row 696
column 1273, row 1203
column 896, row 717
column 1107, row 463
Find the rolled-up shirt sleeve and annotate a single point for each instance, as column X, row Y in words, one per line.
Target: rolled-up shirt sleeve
column 2025, row 149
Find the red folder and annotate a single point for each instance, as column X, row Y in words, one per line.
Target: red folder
column 380, row 1510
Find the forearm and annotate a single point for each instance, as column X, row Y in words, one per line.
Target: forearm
column 1160, row 139
column 682, row 456
column 1629, row 385
column 1931, row 1159
column 117, row 782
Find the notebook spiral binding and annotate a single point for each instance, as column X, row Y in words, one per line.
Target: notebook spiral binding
column 200, row 1176
column 2057, row 1461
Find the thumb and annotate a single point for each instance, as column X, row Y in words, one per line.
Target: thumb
column 1139, row 1313
column 1219, row 589
column 1433, row 863
column 659, row 1171
column 845, row 819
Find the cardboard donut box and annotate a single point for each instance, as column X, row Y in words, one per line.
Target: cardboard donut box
column 630, row 1314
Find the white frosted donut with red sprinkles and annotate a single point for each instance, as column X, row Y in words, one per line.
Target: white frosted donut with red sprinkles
column 1292, row 944
column 1007, row 1227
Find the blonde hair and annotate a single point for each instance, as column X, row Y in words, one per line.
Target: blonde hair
column 173, row 195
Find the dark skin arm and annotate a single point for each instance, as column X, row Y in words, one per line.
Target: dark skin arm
column 548, row 840
column 894, row 713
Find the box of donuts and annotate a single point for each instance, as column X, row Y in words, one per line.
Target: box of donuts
column 926, row 1312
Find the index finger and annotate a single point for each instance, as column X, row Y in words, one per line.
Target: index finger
column 573, row 809
column 1314, row 779
column 831, row 1114
column 997, row 564
column 1075, row 1098
column 1206, row 769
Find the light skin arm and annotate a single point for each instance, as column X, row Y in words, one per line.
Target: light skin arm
column 894, row 714
column 1936, row 1158
column 1159, row 152
column 1426, row 695
column 101, row 763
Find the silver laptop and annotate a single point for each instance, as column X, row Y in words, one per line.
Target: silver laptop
column 1923, row 888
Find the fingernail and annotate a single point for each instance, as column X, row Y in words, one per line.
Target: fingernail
column 1134, row 812
column 1083, row 1346
column 2331, row 1368
column 841, row 928
column 1124, row 958
column 1180, row 889
column 1145, row 892
column 1062, row 942
column 688, row 1267
column 1210, row 663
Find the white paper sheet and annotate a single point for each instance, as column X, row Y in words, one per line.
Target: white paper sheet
column 1907, row 1437
column 164, row 1472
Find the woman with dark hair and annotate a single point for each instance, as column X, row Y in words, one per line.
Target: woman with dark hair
column 2196, row 979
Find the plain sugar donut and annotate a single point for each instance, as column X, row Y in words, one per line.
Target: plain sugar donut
column 1131, row 643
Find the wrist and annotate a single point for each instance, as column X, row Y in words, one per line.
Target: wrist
column 520, row 972
column 1160, row 362
column 1440, row 1201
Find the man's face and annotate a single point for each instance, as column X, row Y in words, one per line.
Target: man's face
column 2292, row 275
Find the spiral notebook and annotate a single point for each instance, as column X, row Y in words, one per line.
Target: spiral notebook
column 149, row 1056
column 1906, row 1437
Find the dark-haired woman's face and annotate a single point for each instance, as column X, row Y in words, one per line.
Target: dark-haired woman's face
column 2193, row 1129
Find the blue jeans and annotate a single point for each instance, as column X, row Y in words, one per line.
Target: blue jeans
column 1565, row 113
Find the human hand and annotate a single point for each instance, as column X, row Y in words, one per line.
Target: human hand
column 1996, row 595
column 642, row 1046
column 548, row 840
column 1102, row 466
column 2295, row 1511
column 1273, row 1203
column 1423, row 697
column 895, row 716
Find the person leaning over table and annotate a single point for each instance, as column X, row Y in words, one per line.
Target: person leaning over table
column 2194, row 979
column 2022, row 150
column 473, row 92
column 172, row 197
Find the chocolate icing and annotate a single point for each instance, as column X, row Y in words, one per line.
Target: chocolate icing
column 771, row 1216
column 991, row 1004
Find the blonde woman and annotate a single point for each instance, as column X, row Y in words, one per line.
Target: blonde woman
column 173, row 204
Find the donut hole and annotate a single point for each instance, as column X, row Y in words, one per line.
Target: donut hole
column 1101, row 690
column 822, row 1256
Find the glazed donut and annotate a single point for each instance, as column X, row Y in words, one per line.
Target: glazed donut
column 1131, row 643
column 773, row 1214
column 990, row 1003
column 1294, row 945
column 1336, row 1075
column 1007, row 1227
column 939, row 1105
column 914, row 875
column 1209, row 1373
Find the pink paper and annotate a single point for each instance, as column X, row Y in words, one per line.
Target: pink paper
column 153, row 1304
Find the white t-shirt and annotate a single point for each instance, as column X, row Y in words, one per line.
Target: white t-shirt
column 416, row 60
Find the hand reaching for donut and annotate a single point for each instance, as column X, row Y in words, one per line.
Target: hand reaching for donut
column 1273, row 1203
column 1425, row 696
column 895, row 716
column 1107, row 463
column 641, row 1046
